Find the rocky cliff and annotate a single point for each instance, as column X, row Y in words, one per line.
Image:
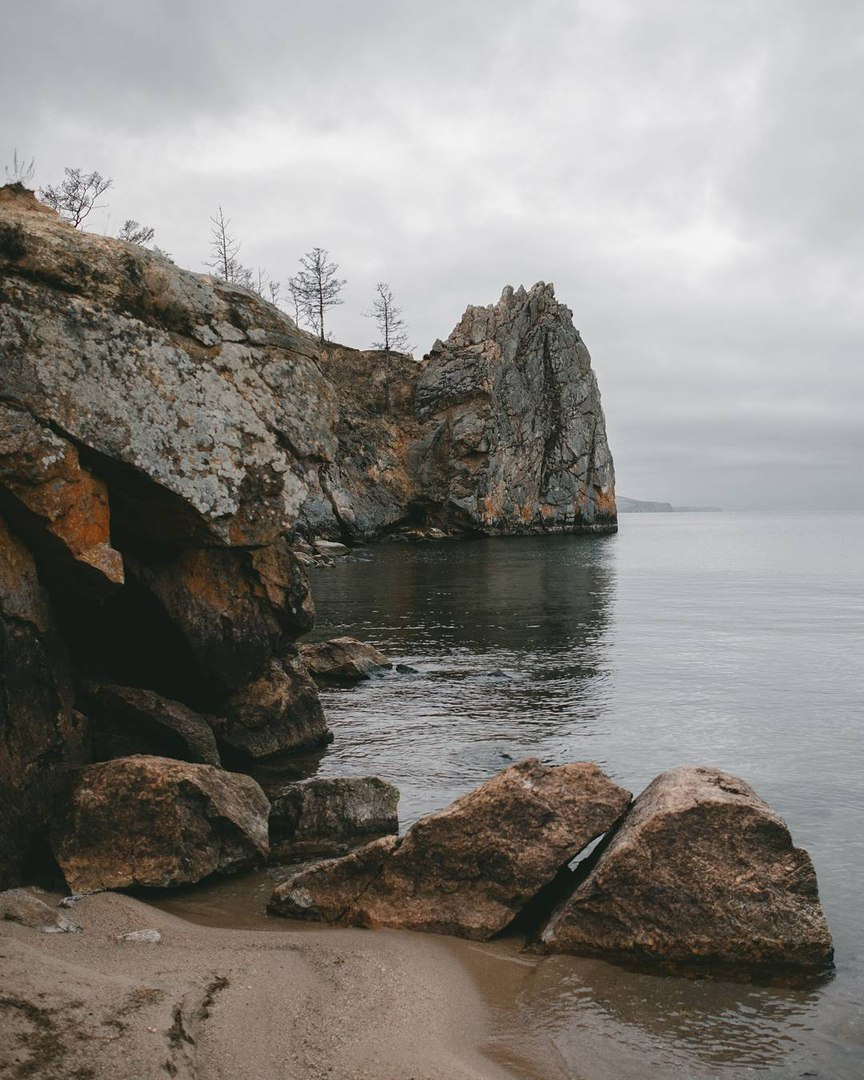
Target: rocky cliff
column 164, row 440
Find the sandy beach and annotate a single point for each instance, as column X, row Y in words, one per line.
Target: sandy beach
column 215, row 1003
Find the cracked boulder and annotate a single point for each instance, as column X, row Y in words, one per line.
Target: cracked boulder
column 152, row 821
column 471, row 868
column 342, row 661
column 701, row 871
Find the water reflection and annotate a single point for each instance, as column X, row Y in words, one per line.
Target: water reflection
column 510, row 648
column 667, row 1026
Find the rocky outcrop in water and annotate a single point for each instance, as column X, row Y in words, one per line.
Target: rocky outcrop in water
column 342, row 661
column 701, row 871
column 471, row 868
column 515, row 436
column 166, row 438
column 158, row 822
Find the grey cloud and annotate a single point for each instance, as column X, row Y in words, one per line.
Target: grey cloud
column 687, row 173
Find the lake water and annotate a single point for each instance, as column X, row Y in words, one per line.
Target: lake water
column 734, row 640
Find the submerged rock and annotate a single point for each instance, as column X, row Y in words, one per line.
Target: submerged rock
column 157, row 822
column 700, row 871
column 471, row 868
column 342, row 660
column 328, row 816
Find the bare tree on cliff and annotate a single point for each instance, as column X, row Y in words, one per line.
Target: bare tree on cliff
column 391, row 325
column 75, row 196
column 224, row 247
column 136, row 233
column 315, row 288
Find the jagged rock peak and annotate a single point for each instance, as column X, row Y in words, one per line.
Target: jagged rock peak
column 479, row 323
column 518, row 437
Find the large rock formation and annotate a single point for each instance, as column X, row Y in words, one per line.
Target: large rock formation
column 516, row 438
column 471, row 868
column 701, row 871
column 157, row 822
column 165, row 437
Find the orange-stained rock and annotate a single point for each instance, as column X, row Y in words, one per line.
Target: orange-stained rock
column 342, row 660
column 471, row 868
column 237, row 609
column 701, row 871
column 43, row 474
column 157, row 822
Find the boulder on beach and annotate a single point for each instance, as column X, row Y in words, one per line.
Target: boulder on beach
column 701, row 871
column 157, row 822
column 471, row 868
column 342, row 660
column 330, row 815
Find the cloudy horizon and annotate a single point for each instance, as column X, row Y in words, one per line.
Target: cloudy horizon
column 687, row 174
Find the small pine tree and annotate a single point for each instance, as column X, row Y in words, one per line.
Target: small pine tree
column 315, row 288
column 391, row 325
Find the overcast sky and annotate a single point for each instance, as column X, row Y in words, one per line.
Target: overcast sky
column 688, row 173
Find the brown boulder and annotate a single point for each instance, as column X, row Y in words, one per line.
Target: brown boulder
column 342, row 660
column 330, row 815
column 701, row 871
column 235, row 608
column 278, row 713
column 130, row 721
column 157, row 822
column 469, row 869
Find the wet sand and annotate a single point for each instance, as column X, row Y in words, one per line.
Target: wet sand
column 216, row 1003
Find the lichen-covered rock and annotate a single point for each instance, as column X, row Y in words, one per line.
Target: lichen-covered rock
column 701, row 871
column 330, row 815
column 471, row 868
column 515, row 435
column 126, row 721
column 157, row 822
column 277, row 713
column 342, row 660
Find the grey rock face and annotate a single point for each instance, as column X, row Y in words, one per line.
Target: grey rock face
column 515, row 435
column 701, row 871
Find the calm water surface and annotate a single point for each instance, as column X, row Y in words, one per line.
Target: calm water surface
column 733, row 640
